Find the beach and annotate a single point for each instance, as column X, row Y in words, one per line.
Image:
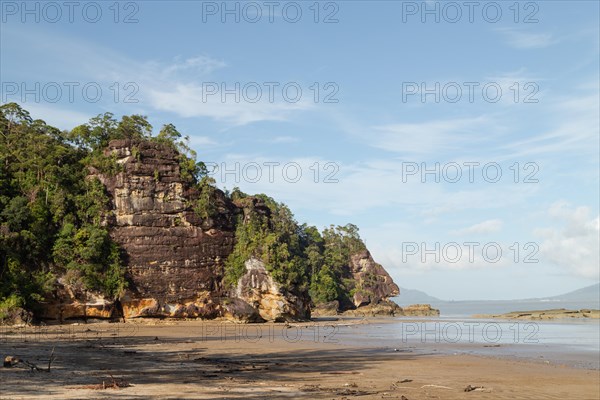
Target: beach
column 315, row 360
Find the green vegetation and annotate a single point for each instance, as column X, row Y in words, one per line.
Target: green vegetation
column 274, row 237
column 205, row 206
column 298, row 256
column 53, row 215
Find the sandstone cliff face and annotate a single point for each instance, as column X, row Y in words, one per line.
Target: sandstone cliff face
column 175, row 259
column 69, row 302
column 257, row 288
column 373, row 282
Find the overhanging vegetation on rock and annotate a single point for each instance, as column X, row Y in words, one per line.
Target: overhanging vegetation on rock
column 109, row 214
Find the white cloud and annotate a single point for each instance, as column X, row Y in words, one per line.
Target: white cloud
column 174, row 86
column 489, row 226
column 520, row 39
column 364, row 187
column 419, row 256
column 202, row 141
column 429, row 137
column 575, row 245
column 187, row 100
column 575, row 129
column 200, row 64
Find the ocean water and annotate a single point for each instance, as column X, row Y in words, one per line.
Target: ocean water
column 469, row 308
column 569, row 342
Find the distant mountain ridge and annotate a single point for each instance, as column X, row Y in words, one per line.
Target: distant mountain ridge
column 588, row 293
column 587, row 297
column 413, row 296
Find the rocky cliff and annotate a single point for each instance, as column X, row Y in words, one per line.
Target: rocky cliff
column 258, row 289
column 373, row 282
column 175, row 259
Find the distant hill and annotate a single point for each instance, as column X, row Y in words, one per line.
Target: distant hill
column 587, row 294
column 412, row 296
column 587, row 297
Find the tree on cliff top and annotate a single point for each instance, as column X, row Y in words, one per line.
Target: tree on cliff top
column 100, row 130
column 46, row 204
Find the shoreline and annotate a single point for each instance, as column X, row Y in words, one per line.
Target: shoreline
column 192, row 359
column 545, row 315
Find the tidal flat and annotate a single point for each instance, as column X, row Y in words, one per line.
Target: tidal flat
column 325, row 359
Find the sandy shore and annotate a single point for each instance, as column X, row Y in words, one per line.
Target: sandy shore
column 214, row 360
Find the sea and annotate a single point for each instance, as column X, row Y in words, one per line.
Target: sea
column 573, row 342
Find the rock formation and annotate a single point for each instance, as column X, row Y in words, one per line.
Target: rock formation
column 175, row 259
column 559, row 313
column 258, row 289
column 420, row 310
column 373, row 282
column 69, row 302
column 372, row 287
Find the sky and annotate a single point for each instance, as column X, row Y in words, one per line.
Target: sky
column 461, row 137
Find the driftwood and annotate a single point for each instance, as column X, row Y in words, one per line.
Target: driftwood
column 10, row 361
column 436, row 386
column 470, row 388
column 51, row 359
column 32, row 366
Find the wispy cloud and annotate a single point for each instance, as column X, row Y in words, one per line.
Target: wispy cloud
column 201, row 64
column 362, row 187
column 576, row 127
column 428, row 138
column 190, row 100
column 175, row 85
column 520, row 39
column 489, row 226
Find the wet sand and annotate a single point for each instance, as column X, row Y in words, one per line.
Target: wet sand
column 220, row 360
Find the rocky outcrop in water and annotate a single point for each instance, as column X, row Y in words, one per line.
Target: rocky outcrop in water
column 420, row 310
column 383, row 308
column 560, row 313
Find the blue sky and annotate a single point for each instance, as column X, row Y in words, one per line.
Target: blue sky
column 375, row 61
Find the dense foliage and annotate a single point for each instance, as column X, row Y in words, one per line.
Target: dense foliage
column 298, row 256
column 53, row 215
